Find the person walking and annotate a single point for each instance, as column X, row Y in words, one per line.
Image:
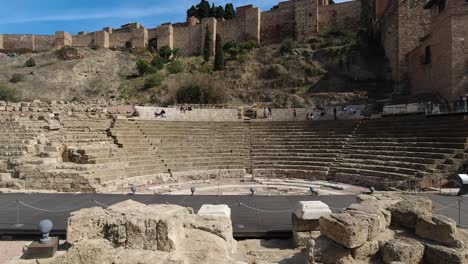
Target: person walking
column 334, row 113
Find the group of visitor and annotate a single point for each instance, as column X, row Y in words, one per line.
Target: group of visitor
column 267, row 113
column 160, row 114
column 184, row 109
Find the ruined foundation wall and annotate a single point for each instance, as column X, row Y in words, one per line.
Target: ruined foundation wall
column 340, row 16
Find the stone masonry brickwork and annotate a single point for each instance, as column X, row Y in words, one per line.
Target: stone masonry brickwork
column 297, row 19
column 425, row 45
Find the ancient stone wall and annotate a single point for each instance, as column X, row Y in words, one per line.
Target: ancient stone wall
column 446, row 70
column 18, row 42
column 43, row 42
column 83, row 40
column 165, row 35
column 1, row 41
column 278, row 24
column 231, row 29
column 340, row 16
column 188, row 39
column 63, row 38
column 120, row 39
column 306, row 14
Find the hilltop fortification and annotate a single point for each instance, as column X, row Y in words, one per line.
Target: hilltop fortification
column 296, row 19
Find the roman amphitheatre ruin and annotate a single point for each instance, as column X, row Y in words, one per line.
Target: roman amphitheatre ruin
column 333, row 133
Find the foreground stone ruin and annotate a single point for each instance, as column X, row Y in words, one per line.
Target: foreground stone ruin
column 388, row 229
column 131, row 232
column 95, row 148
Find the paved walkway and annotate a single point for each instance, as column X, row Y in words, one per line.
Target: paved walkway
column 251, row 215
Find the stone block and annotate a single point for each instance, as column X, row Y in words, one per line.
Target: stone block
column 308, row 210
column 2, row 108
column 326, row 251
column 406, row 213
column 435, row 254
column 301, row 225
column 408, row 251
column 300, row 238
column 215, row 210
column 5, row 176
column 37, row 250
column 350, row 229
column 438, row 228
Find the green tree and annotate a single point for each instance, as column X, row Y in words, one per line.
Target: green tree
column 219, row 55
column 203, row 9
column 165, row 52
column 192, row 11
column 207, row 49
column 213, row 10
column 142, row 67
column 220, row 12
column 229, row 11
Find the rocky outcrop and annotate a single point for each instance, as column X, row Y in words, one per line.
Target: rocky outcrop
column 131, row 232
column 388, row 229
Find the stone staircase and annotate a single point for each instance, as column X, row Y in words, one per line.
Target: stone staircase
column 404, row 152
column 298, row 149
column 199, row 150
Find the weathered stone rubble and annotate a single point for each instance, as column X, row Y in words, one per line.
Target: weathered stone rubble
column 131, row 232
column 388, row 229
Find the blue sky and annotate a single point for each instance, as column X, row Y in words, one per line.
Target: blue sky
column 48, row 16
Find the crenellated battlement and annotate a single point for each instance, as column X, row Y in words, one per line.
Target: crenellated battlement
column 297, row 19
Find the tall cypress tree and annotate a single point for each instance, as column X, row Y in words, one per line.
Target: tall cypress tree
column 207, row 48
column 213, row 10
column 203, row 9
column 229, row 11
column 192, row 11
column 219, row 55
column 220, row 12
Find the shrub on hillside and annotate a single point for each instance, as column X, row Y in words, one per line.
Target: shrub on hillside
column 165, row 52
column 287, row 46
column 8, row 94
column 313, row 70
column 243, row 58
column 157, row 62
column 153, row 81
column 142, row 67
column 175, row 66
column 199, row 94
column 17, row 77
column 272, row 72
column 30, row 63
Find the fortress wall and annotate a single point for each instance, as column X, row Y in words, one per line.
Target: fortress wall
column 340, row 16
column 165, row 35
column 212, row 25
column 44, row 42
column 18, row 42
column 1, row 41
column 277, row 24
column 152, row 33
column 118, row 39
column 82, row 40
column 188, row 39
column 140, row 38
column 306, row 14
column 232, row 29
column 63, row 39
column 389, row 28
